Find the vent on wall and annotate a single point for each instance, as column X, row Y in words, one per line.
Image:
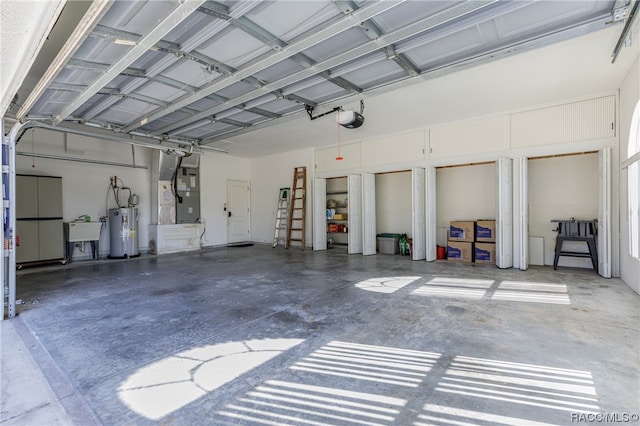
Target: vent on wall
column 577, row 121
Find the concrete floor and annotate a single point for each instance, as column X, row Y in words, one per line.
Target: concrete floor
column 255, row 336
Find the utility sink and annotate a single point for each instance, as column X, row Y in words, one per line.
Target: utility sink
column 82, row 231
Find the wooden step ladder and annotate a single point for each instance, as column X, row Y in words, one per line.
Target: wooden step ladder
column 282, row 214
column 297, row 216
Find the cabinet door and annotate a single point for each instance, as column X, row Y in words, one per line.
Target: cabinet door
column 26, row 197
column 49, row 197
column 50, row 235
column 28, row 250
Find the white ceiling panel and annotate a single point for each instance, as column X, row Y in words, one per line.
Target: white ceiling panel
column 342, row 42
column 204, row 104
column 323, row 91
column 138, row 16
column 279, row 106
column 154, row 125
column 247, row 117
column 235, row 48
column 160, row 91
column 279, row 70
column 410, row 12
column 122, row 113
column 436, row 51
column 150, row 59
column 100, row 50
column 384, row 71
column 324, row 12
column 235, row 89
column 191, row 73
column 540, row 14
column 190, row 27
column 287, row 19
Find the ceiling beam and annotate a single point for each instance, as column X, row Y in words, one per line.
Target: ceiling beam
column 431, row 22
column 373, row 31
column 147, row 42
column 91, row 17
column 364, row 13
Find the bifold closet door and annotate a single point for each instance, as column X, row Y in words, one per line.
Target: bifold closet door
column 319, row 214
column 418, row 216
column 355, row 214
column 431, row 229
column 604, row 213
column 369, row 213
column 504, row 210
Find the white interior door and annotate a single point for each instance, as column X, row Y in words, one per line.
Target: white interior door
column 604, row 213
column 369, row 213
column 319, row 214
column 431, row 229
column 354, row 215
column 504, row 210
column 237, row 211
column 418, row 216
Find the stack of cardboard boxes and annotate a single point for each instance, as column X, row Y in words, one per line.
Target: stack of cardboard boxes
column 472, row 241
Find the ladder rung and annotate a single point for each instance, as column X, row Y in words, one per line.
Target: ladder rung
column 295, row 239
column 296, row 229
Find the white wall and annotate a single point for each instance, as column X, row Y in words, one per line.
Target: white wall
column 85, row 185
column 268, row 175
column 215, row 170
column 562, row 188
column 464, row 193
column 393, row 203
column 629, row 96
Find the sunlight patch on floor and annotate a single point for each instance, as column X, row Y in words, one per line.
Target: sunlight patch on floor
column 171, row 383
column 526, row 384
column 279, row 402
column 443, row 415
column 386, row 285
column 464, row 288
column 508, row 291
column 533, row 292
column 368, row 362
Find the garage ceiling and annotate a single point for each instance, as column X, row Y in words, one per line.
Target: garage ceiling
column 204, row 72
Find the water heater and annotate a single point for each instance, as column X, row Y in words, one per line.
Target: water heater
column 123, row 232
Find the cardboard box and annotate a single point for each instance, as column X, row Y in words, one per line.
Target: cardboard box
column 486, row 231
column 462, row 230
column 485, row 253
column 388, row 243
column 340, row 216
column 460, row 251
